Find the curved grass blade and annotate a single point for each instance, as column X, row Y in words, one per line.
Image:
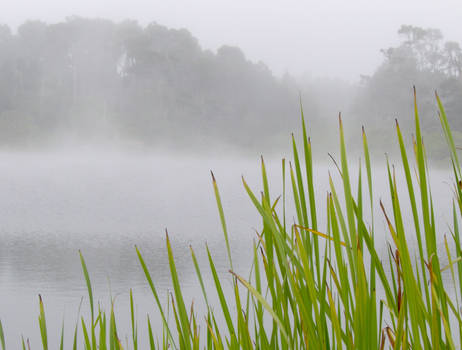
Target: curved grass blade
column 265, row 304
column 156, row 296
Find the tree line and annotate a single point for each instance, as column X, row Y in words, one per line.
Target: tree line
column 423, row 58
column 94, row 79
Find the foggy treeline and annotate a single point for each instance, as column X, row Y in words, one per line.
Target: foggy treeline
column 94, row 80
column 86, row 78
column 424, row 59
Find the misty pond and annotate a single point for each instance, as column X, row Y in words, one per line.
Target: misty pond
column 113, row 114
column 104, row 204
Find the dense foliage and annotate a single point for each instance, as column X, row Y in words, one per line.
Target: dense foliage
column 96, row 81
column 92, row 78
column 424, row 59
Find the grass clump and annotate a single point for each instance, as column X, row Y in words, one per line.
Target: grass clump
column 313, row 289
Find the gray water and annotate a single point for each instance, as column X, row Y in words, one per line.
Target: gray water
column 52, row 205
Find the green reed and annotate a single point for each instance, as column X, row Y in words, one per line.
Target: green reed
column 314, row 289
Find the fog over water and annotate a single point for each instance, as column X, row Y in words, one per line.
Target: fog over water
column 105, row 204
column 112, row 115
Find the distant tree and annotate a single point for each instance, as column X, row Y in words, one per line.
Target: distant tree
column 6, row 68
column 453, row 55
column 422, row 59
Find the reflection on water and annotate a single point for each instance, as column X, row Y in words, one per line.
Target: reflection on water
column 53, row 205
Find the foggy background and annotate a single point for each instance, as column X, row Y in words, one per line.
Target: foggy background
column 172, row 76
column 329, row 38
column 113, row 112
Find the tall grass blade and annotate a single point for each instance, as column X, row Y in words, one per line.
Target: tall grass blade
column 2, row 336
column 43, row 325
column 222, row 218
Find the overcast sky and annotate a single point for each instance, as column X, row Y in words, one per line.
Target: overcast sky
column 333, row 38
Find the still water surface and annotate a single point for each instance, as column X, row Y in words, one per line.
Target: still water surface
column 52, row 205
